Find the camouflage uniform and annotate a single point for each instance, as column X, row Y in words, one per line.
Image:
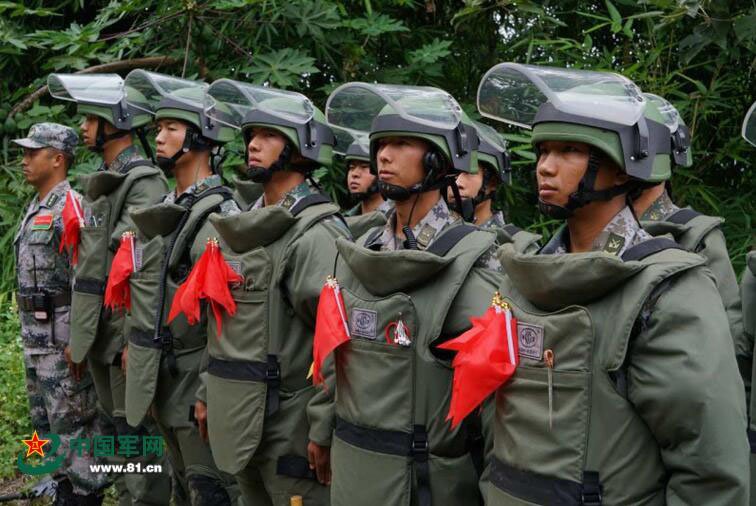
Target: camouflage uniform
column 197, row 479
column 58, row 404
column 495, row 221
column 621, row 233
column 385, row 207
column 438, row 219
column 228, row 207
column 296, row 194
column 660, row 208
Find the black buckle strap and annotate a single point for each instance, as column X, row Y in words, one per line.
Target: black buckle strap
column 273, row 379
column 144, row 339
column 682, row 216
column 648, row 248
column 393, row 442
column 27, row 302
column 309, row 200
column 591, row 489
column 448, row 240
column 166, row 341
column 420, row 452
column 752, row 440
column 542, row 489
column 264, row 372
column 90, row 286
column 295, row 466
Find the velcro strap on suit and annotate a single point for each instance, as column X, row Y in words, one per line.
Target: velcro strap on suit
column 648, row 248
column 541, row 489
column 406, row 444
column 265, row 372
column 89, row 285
column 295, row 466
column 26, row 303
column 682, row 216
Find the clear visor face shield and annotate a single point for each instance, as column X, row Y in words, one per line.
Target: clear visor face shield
column 155, row 87
column 360, row 108
column 102, row 90
column 524, row 95
column 749, row 125
column 493, row 144
column 237, row 104
column 680, row 134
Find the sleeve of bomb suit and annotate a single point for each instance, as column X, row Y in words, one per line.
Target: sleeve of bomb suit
column 684, row 383
column 748, row 297
column 144, row 192
column 310, row 262
column 714, row 249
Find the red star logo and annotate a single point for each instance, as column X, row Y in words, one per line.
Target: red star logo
column 35, row 445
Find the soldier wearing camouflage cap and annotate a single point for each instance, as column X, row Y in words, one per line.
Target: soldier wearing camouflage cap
column 113, row 114
column 61, row 396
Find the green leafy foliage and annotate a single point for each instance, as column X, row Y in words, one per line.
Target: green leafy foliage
column 700, row 54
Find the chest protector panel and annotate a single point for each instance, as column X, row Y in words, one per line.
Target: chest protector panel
column 392, row 444
column 264, row 352
column 360, row 224
column 164, row 358
column 103, row 203
column 564, row 431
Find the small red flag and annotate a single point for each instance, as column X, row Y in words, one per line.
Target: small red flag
column 487, row 356
column 331, row 328
column 117, row 292
column 73, row 220
column 209, row 279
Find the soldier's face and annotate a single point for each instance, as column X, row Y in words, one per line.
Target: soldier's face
column 469, row 184
column 170, row 137
column 400, row 160
column 359, row 177
column 40, row 165
column 561, row 166
column 88, row 129
column 264, row 147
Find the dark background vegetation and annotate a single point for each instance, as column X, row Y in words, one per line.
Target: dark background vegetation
column 701, row 55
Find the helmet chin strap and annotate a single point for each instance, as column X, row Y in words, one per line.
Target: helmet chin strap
column 466, row 206
column 192, row 141
column 358, row 197
column 263, row 174
column 101, row 138
column 585, row 193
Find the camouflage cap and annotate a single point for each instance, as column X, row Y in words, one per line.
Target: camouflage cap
column 50, row 135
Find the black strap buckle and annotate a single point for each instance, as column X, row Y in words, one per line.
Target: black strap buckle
column 420, row 447
column 591, row 495
column 273, row 380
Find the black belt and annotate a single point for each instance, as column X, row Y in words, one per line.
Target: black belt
column 542, row 489
column 408, row 444
column 248, row 370
column 26, row 303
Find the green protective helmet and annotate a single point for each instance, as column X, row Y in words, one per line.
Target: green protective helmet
column 607, row 141
column 493, row 152
column 680, row 139
column 103, row 95
column 603, row 109
column 426, row 113
column 182, row 99
column 290, row 113
column 359, row 150
column 138, row 119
